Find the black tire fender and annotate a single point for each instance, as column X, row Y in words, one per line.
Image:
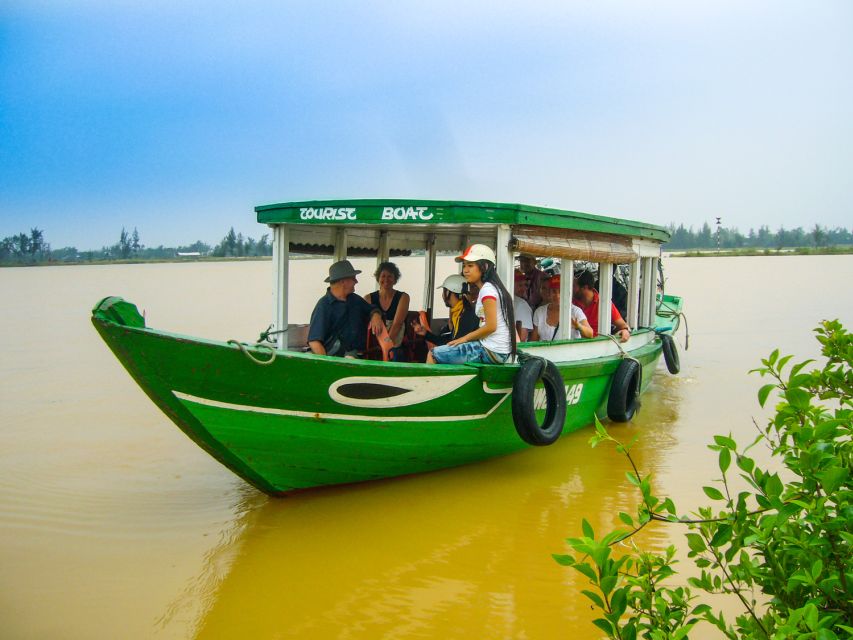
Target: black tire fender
column 670, row 354
column 624, row 391
column 523, row 402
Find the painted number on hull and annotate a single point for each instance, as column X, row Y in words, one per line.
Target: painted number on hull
column 573, row 395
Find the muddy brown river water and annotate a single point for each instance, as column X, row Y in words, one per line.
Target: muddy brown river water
column 113, row 524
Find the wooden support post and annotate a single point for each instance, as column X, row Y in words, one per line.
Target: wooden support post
column 654, row 297
column 429, row 275
column 647, row 291
column 504, row 256
column 281, row 273
column 634, row 295
column 340, row 244
column 605, row 295
column 567, row 276
column 384, row 252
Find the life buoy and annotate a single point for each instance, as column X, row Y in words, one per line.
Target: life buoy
column 670, row 354
column 624, row 391
column 523, row 402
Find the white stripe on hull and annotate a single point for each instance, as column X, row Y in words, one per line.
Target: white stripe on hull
column 341, row 416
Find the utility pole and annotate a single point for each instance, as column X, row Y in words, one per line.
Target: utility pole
column 718, row 234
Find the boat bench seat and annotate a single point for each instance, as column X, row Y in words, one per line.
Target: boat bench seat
column 297, row 337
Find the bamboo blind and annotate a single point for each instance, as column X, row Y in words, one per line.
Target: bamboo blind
column 573, row 245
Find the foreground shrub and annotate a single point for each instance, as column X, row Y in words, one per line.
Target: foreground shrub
column 783, row 547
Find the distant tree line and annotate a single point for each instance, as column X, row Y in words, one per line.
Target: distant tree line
column 234, row 245
column 31, row 248
column 25, row 248
column 706, row 238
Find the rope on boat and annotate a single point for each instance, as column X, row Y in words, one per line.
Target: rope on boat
column 618, row 344
column 622, row 353
column 249, row 355
column 265, row 335
column 665, row 311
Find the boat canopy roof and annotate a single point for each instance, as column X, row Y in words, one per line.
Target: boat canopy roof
column 452, row 225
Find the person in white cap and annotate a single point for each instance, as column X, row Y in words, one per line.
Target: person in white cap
column 493, row 342
column 521, row 308
column 462, row 320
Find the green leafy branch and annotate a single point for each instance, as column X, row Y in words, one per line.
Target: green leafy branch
column 783, row 548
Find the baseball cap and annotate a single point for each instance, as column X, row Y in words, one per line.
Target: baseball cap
column 477, row 252
column 453, row 283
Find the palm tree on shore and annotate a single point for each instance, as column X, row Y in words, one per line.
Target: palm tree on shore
column 36, row 241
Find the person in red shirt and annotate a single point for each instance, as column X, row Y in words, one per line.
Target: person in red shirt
column 586, row 297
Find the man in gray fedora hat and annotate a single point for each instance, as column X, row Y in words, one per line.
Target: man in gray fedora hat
column 340, row 318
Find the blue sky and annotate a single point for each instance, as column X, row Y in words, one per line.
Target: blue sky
column 179, row 117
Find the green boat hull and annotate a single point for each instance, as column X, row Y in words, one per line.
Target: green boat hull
column 305, row 421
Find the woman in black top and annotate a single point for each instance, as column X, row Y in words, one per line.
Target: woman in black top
column 393, row 304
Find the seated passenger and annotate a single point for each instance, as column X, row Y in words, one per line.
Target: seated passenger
column 462, row 320
column 521, row 309
column 340, row 318
column 533, row 278
column 393, row 304
column 545, row 292
column 494, row 341
column 546, row 319
column 620, row 296
column 586, row 297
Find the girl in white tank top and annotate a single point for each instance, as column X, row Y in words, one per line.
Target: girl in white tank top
column 492, row 342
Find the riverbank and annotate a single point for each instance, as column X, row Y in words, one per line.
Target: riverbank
column 56, row 263
column 687, row 253
column 754, row 251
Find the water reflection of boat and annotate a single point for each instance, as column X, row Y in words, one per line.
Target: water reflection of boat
column 307, row 420
column 418, row 557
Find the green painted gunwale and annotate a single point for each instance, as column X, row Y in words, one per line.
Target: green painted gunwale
column 448, row 212
column 279, row 454
column 668, row 313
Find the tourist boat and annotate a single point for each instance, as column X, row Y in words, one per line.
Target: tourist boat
column 249, row 406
